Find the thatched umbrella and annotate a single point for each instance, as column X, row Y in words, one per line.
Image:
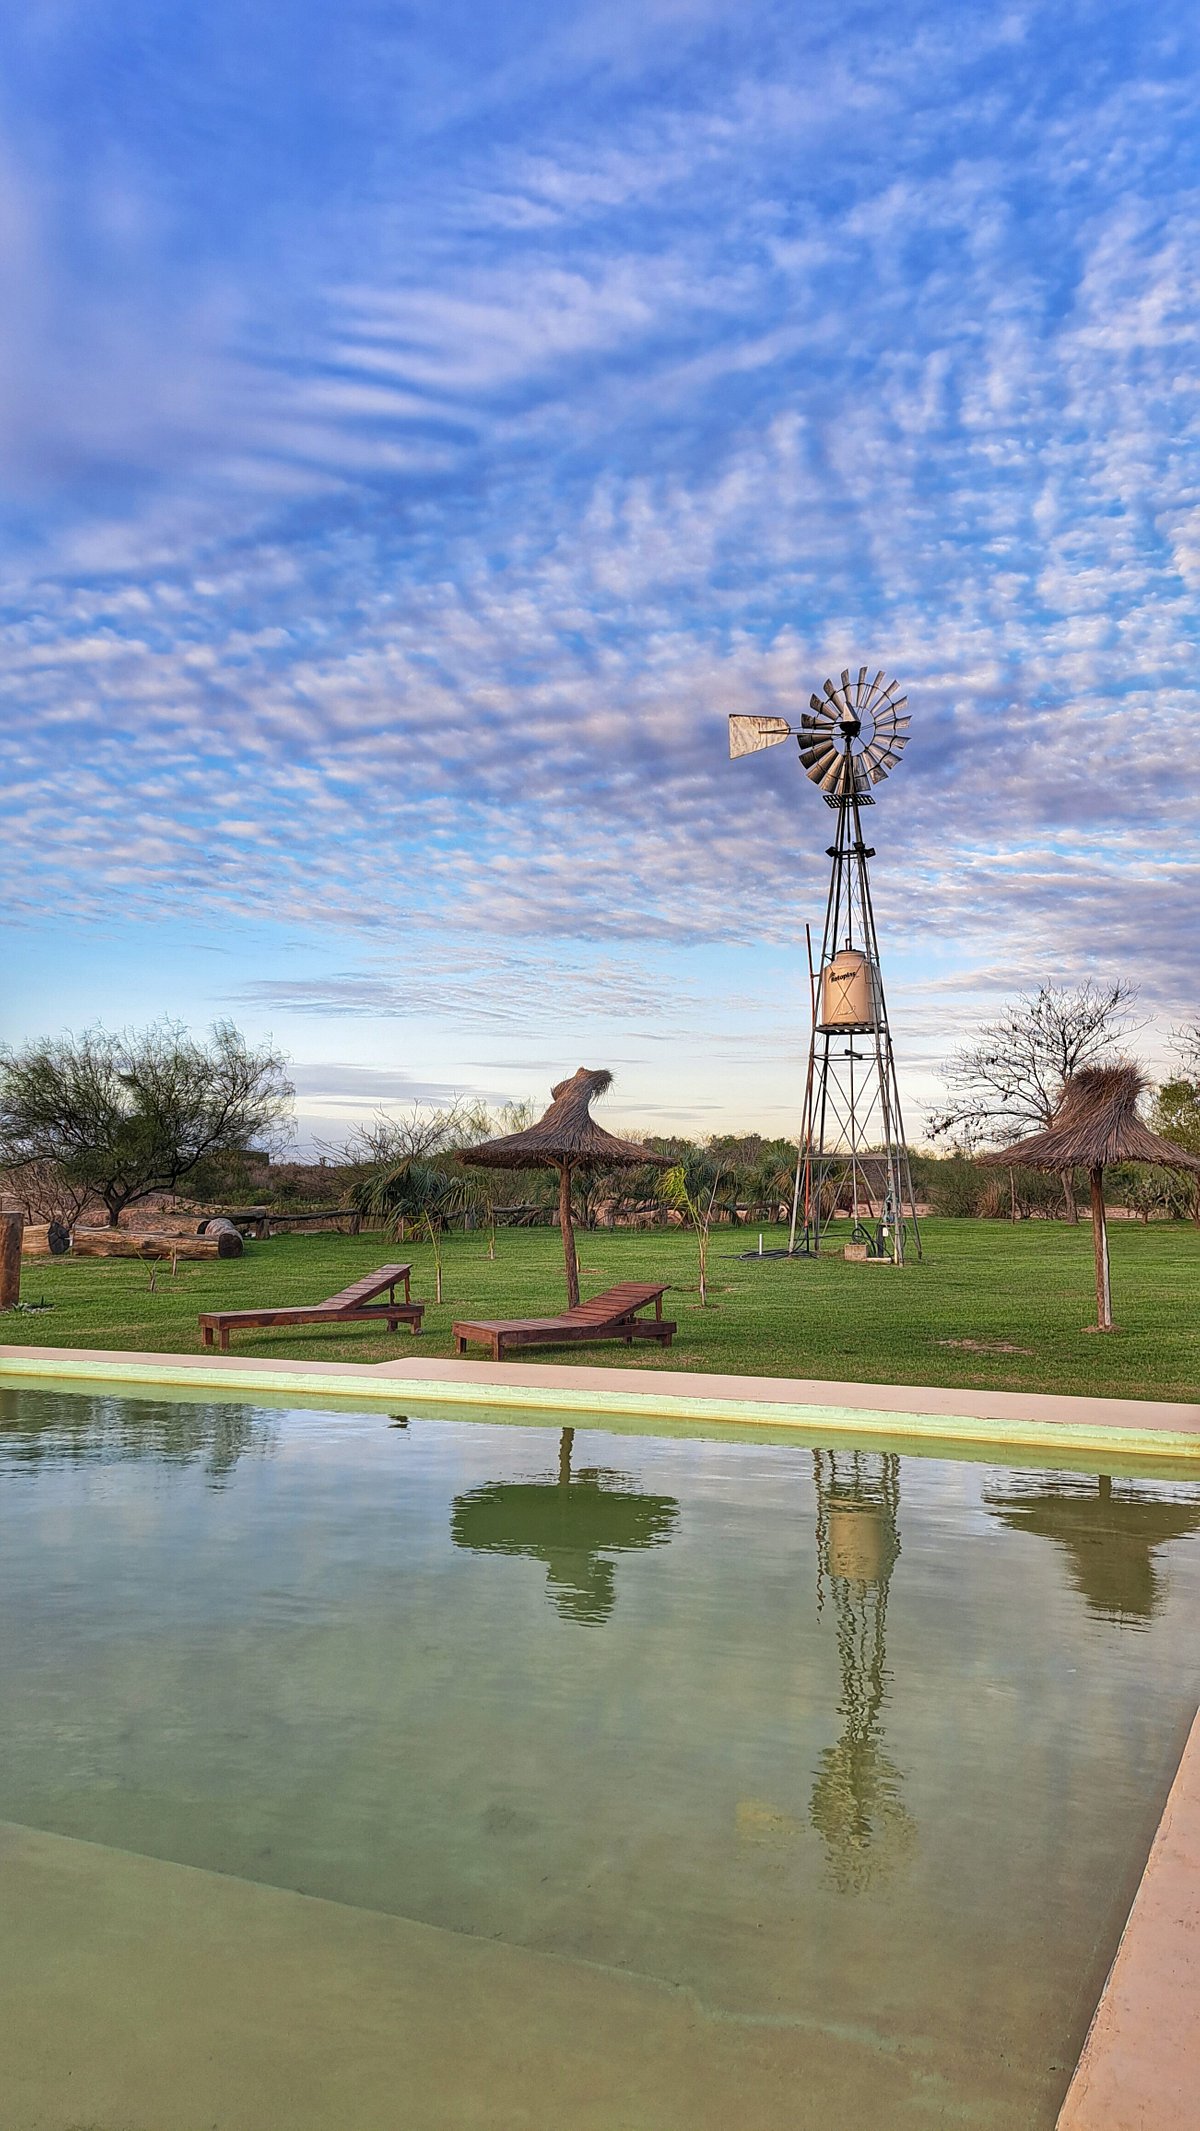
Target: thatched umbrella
column 1111, row 1537
column 568, row 1139
column 1096, row 1123
column 572, row 1524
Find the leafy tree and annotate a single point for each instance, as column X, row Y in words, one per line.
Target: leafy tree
column 126, row 1115
column 1010, row 1080
column 1176, row 1115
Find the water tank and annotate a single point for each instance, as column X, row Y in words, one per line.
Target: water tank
column 849, row 992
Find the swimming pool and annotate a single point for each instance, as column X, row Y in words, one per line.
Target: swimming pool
column 360, row 1772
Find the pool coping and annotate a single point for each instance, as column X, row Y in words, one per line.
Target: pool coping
column 999, row 1419
column 1139, row 2069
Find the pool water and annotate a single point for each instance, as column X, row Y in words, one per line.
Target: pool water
column 359, row 1772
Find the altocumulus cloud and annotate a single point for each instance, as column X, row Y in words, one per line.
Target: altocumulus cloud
column 440, row 434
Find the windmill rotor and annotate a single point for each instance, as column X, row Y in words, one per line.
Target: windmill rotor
column 851, row 736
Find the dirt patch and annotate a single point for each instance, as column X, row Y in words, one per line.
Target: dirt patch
column 985, row 1346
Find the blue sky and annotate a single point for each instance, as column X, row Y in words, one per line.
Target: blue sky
column 421, row 425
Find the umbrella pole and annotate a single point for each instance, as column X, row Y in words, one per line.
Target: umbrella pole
column 1104, row 1321
column 568, row 1234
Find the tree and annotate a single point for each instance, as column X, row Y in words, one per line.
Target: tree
column 1176, row 1115
column 1011, row 1079
column 128, row 1114
column 691, row 1190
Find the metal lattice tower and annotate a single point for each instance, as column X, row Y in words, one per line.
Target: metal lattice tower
column 852, row 1154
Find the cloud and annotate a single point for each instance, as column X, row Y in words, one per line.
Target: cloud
column 389, row 572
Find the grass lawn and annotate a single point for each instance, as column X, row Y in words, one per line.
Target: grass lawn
column 1020, row 1296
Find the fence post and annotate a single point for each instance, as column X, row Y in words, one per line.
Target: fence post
column 12, row 1227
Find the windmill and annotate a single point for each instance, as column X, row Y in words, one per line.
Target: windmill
column 852, row 1151
column 857, row 1804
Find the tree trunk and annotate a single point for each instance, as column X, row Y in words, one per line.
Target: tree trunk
column 1104, row 1321
column 11, row 1227
column 568, row 1234
column 1067, row 1180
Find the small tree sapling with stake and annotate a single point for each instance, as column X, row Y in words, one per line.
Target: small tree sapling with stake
column 697, row 1210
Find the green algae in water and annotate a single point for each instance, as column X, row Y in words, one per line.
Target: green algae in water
column 854, row 1757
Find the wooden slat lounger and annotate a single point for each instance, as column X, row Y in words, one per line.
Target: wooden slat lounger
column 612, row 1315
column 351, row 1305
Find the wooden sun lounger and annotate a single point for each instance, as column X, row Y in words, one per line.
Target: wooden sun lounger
column 352, row 1305
column 612, row 1315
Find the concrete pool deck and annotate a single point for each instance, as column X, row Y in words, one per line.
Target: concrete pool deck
column 1140, row 2066
column 998, row 1420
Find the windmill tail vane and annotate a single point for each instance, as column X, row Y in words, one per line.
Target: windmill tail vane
column 853, row 1157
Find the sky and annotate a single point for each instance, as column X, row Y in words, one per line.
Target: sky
column 420, row 426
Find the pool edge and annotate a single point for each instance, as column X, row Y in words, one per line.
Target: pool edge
column 1004, row 1419
column 1140, row 2063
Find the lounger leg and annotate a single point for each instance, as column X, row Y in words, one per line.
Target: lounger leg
column 224, row 1339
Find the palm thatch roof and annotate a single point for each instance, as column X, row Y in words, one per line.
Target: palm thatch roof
column 567, row 1133
column 1096, row 1123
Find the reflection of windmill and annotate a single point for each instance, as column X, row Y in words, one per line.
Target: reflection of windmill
column 1111, row 1536
column 856, row 1804
column 571, row 1523
column 852, row 1146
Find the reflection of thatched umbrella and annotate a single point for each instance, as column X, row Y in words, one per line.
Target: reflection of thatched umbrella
column 1096, row 1123
column 567, row 1138
column 1110, row 1538
column 856, row 1803
column 570, row 1524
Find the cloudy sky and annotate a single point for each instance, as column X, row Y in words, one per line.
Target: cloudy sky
column 422, row 424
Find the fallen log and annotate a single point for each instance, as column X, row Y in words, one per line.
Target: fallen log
column 126, row 1243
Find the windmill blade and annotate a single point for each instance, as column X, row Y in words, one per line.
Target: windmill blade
column 888, row 715
column 833, row 697
column 747, row 735
column 818, row 766
column 823, row 725
column 859, row 686
column 829, row 780
column 873, row 690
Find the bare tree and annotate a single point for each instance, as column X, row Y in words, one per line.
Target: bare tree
column 419, row 1134
column 130, row 1114
column 1185, row 1042
column 46, row 1193
column 1011, row 1078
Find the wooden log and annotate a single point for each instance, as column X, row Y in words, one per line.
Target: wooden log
column 45, row 1239
column 126, row 1243
column 11, row 1227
